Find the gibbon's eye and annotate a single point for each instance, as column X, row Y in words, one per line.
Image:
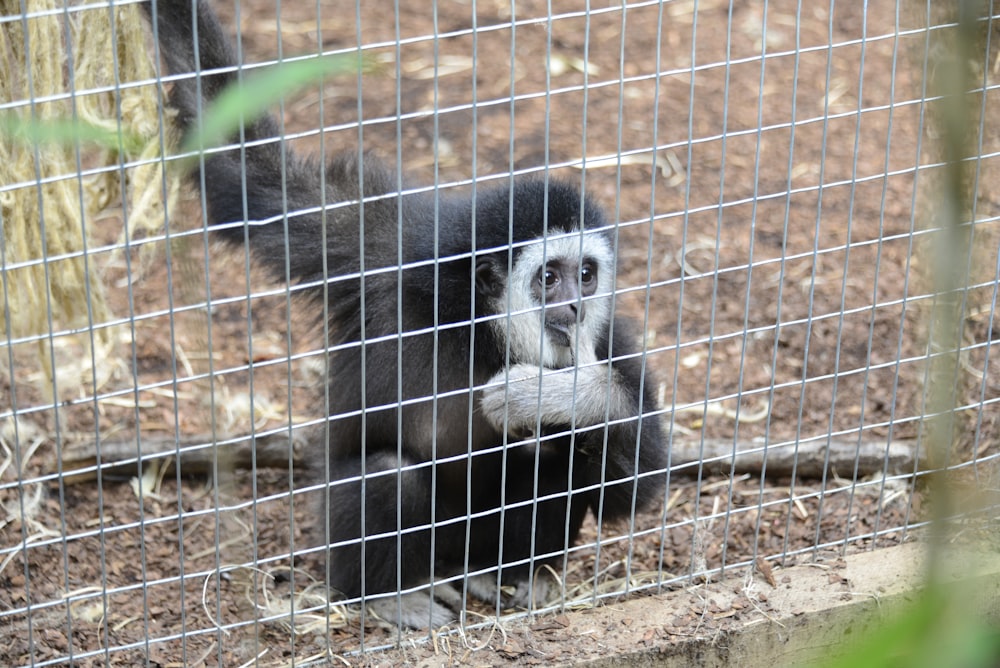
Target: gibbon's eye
column 588, row 274
column 548, row 277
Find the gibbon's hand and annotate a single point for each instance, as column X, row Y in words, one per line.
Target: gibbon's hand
column 527, row 399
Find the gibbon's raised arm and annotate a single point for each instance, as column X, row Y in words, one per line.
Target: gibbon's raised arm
column 501, row 316
column 255, row 179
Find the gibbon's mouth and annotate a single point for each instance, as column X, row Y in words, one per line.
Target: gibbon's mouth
column 561, row 335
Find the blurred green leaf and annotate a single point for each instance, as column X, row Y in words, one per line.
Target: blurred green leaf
column 242, row 103
column 233, row 107
column 935, row 630
column 66, row 131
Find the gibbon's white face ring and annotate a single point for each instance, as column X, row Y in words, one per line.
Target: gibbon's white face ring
column 524, row 330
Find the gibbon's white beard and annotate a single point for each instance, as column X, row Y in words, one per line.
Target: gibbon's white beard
column 524, row 329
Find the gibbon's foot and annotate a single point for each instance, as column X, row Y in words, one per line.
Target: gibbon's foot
column 420, row 609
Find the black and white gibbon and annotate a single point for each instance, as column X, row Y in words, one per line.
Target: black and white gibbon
column 482, row 394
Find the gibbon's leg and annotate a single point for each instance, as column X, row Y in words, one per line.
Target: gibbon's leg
column 392, row 502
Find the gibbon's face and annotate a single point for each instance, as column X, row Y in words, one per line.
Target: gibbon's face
column 560, row 298
column 562, row 286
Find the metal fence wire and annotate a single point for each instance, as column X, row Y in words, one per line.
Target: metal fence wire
column 258, row 408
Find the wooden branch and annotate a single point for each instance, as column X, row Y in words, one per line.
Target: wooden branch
column 198, row 455
column 808, row 459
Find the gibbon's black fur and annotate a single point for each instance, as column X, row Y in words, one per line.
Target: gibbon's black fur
column 554, row 361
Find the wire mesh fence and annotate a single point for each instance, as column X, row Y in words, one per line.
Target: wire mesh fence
column 795, row 220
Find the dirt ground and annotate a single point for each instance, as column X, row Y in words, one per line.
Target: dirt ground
column 776, row 256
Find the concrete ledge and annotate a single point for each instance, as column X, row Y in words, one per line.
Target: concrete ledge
column 812, row 612
column 783, row 617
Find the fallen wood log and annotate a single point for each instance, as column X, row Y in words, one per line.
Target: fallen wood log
column 199, row 455
column 196, row 455
column 806, row 459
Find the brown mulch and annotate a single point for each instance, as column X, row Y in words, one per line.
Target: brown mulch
column 785, row 300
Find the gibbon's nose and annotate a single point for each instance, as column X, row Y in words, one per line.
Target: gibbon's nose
column 564, row 295
column 573, row 311
column 563, row 316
